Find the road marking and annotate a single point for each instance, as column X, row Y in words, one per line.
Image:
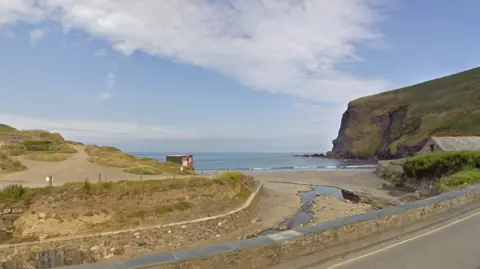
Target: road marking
column 402, row 242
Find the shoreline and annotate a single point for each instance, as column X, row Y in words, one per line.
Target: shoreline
column 292, row 169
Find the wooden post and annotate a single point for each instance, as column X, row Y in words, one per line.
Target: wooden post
column 141, row 175
column 99, row 178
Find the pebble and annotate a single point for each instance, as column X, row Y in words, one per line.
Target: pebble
column 43, row 237
column 42, row 215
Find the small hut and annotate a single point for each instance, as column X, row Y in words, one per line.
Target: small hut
column 185, row 161
column 451, row 143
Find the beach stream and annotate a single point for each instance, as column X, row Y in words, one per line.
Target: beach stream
column 307, row 199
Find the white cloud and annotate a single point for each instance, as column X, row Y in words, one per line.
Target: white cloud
column 281, row 46
column 111, row 80
column 13, row 10
column 103, row 96
column 35, row 36
column 94, row 130
column 110, row 83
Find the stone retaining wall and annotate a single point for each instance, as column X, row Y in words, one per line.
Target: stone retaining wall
column 266, row 251
column 8, row 216
column 88, row 249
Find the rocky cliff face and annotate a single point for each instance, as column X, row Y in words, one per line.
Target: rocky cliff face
column 397, row 123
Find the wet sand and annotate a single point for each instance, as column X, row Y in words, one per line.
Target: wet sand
column 358, row 181
column 328, row 207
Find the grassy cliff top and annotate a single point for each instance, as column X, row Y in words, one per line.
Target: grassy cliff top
column 113, row 157
column 408, row 116
column 55, row 149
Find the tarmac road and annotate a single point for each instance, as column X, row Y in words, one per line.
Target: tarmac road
column 451, row 245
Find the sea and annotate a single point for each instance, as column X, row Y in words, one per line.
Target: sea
column 207, row 163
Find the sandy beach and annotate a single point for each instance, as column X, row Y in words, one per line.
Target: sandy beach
column 359, row 181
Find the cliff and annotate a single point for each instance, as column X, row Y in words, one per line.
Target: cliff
column 397, row 123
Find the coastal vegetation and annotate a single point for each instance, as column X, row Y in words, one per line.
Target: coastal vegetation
column 45, row 146
column 35, row 144
column 104, row 206
column 113, row 157
column 445, row 170
column 459, row 180
column 437, row 165
column 8, row 164
column 397, row 123
column 449, row 170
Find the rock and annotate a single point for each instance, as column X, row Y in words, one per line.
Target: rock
column 119, row 251
column 94, row 248
column 42, row 237
column 169, row 231
column 219, row 224
column 42, row 215
column 218, row 235
column 184, row 226
column 7, row 210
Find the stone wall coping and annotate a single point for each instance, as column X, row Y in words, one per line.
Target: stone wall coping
column 245, row 205
column 190, row 254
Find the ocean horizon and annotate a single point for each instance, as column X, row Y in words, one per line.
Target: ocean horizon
column 209, row 162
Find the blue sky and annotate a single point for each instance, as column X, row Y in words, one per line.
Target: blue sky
column 218, row 75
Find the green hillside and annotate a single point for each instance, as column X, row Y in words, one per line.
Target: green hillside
column 397, row 123
column 6, row 129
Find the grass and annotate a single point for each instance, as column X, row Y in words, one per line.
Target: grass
column 51, row 142
column 156, row 211
column 107, row 206
column 437, row 165
column 6, row 129
column 113, row 157
column 409, row 116
column 48, row 156
column 459, row 180
column 17, row 193
column 7, row 164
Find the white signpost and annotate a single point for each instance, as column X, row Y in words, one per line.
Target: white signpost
column 49, row 179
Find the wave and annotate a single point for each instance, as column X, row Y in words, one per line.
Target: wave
column 320, row 167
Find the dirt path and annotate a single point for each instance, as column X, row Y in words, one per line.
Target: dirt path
column 76, row 168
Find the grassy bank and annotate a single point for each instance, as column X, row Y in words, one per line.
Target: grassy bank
column 113, row 157
column 447, row 170
column 437, row 165
column 7, row 164
column 459, row 180
column 35, row 144
column 48, row 156
column 105, row 206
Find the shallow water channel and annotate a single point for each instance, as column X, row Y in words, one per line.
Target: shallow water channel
column 307, row 199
